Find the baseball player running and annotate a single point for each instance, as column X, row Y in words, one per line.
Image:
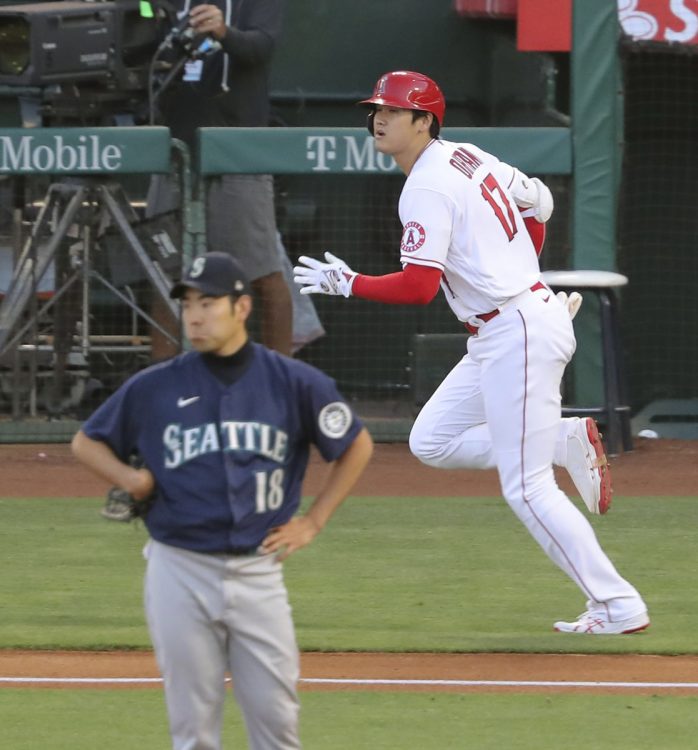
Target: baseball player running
column 224, row 433
column 500, row 406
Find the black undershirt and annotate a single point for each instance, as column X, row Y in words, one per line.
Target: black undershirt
column 232, row 367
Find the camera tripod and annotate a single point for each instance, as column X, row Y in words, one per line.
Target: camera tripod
column 74, row 212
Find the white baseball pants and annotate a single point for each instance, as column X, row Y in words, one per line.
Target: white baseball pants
column 501, row 406
column 209, row 614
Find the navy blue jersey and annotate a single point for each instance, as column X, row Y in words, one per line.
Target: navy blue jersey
column 228, row 461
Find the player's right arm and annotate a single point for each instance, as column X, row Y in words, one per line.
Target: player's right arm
column 427, row 218
column 101, row 459
column 414, row 285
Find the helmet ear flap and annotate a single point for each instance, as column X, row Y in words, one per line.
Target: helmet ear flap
column 369, row 120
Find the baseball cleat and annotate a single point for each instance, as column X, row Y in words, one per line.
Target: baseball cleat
column 594, row 623
column 588, row 466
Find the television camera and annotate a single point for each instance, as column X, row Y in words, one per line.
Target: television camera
column 80, row 61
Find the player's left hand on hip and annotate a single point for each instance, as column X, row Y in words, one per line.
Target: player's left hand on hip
column 289, row 538
column 572, row 302
column 332, row 277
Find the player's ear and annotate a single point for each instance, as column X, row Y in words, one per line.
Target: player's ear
column 427, row 120
column 242, row 306
column 369, row 120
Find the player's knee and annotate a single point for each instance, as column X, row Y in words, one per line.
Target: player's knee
column 276, row 720
column 282, row 729
column 425, row 448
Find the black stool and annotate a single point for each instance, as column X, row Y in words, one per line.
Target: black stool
column 615, row 412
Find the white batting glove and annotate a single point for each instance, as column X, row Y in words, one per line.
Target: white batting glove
column 572, row 302
column 315, row 277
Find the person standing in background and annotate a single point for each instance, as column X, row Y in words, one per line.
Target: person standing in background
column 229, row 88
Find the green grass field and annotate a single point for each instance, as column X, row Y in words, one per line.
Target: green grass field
column 118, row 719
column 387, row 574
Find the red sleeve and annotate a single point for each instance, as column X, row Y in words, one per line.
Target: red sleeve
column 415, row 285
column 536, row 231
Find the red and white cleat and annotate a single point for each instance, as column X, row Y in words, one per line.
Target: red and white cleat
column 588, row 466
column 594, row 623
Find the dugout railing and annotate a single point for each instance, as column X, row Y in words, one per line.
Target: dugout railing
column 333, row 192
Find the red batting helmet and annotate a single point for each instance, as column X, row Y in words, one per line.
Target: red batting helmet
column 408, row 90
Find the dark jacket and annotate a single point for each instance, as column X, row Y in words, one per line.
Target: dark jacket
column 233, row 90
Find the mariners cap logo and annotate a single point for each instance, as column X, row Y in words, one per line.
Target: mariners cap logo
column 197, row 268
column 335, row 420
column 215, row 274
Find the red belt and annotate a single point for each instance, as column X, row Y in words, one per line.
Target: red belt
column 484, row 317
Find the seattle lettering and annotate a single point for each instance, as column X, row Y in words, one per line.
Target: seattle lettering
column 182, row 445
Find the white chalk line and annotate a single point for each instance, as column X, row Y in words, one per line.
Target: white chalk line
column 368, row 682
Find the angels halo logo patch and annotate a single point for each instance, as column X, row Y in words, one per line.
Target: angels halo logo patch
column 413, row 236
column 334, row 420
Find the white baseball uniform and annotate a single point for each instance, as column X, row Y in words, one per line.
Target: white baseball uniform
column 500, row 406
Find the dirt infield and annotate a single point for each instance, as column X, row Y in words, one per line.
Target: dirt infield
column 655, row 467
column 677, row 675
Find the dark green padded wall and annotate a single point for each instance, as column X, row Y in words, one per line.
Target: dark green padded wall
column 339, row 50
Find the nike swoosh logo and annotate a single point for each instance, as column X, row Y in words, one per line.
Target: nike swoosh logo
column 186, row 401
column 546, row 298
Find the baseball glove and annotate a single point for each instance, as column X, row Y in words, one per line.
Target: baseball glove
column 121, row 506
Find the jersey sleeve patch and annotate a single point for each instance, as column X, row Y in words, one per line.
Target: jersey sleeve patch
column 334, row 420
column 413, row 237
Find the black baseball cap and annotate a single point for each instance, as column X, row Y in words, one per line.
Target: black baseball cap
column 213, row 274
